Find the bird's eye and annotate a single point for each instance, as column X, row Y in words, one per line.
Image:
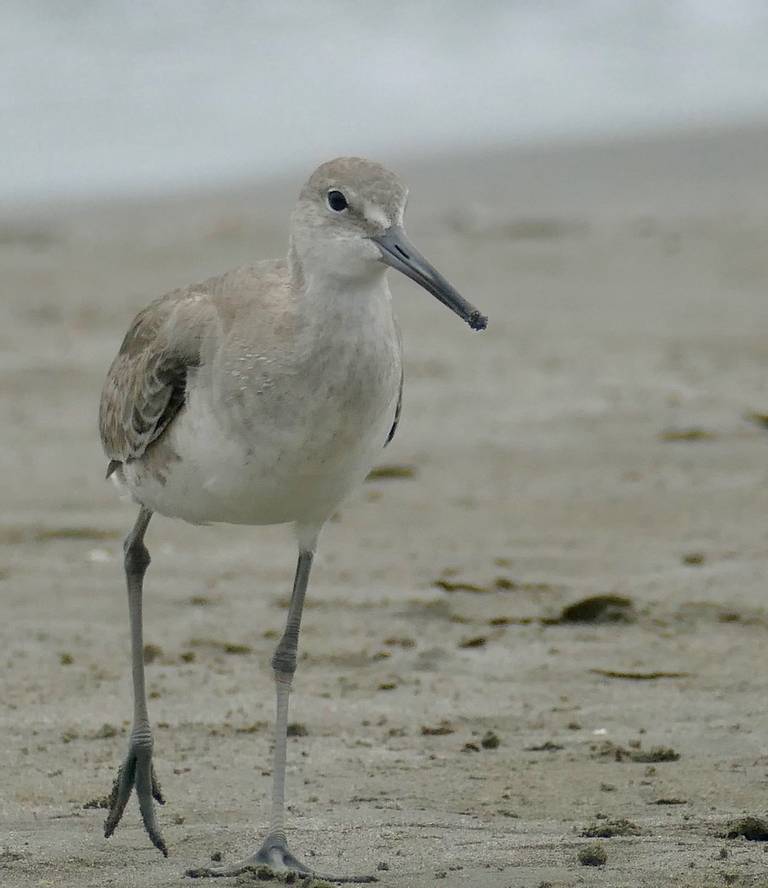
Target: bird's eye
column 336, row 201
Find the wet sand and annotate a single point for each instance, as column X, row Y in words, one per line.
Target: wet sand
column 605, row 437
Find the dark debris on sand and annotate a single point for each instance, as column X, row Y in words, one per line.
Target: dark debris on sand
column 391, row 472
column 691, row 433
column 599, row 609
column 638, row 676
column 754, row 829
column 547, row 746
column 593, row 855
column 263, row 874
column 608, row 750
column 611, row 828
column 439, row 730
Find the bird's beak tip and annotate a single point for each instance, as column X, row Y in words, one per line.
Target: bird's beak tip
column 477, row 321
column 398, row 252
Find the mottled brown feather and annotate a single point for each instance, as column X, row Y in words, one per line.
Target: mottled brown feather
column 145, row 386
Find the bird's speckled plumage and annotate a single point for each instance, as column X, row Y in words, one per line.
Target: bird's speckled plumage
column 263, row 396
column 264, row 392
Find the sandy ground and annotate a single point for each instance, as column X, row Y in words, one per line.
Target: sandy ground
column 594, row 441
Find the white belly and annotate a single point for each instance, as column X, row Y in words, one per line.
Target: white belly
column 202, row 475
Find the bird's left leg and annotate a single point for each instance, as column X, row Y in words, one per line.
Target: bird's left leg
column 137, row 768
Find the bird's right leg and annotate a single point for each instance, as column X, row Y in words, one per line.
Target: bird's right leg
column 273, row 854
column 136, row 770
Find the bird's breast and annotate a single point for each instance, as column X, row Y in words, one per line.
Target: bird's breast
column 323, row 383
column 312, row 412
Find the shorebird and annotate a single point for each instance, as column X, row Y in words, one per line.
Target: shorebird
column 263, row 396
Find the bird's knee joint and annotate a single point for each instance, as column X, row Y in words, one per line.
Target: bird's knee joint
column 136, row 556
column 284, row 661
column 141, row 740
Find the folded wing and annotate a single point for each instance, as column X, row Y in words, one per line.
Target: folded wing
column 146, row 384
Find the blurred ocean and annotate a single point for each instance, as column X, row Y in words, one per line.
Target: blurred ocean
column 114, row 97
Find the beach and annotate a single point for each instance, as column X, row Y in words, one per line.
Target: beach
column 544, row 614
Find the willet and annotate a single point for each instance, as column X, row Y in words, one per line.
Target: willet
column 262, row 396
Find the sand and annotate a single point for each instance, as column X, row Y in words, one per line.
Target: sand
column 597, row 440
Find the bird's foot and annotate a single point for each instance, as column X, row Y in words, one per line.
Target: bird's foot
column 137, row 771
column 274, row 858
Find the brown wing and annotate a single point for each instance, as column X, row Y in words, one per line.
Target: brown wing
column 145, row 386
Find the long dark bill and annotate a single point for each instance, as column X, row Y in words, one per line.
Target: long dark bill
column 399, row 252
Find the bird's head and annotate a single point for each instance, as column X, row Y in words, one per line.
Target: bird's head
column 348, row 224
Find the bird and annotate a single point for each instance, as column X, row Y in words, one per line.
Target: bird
column 263, row 396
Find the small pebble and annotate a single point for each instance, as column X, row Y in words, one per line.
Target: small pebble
column 297, row 729
column 593, row 855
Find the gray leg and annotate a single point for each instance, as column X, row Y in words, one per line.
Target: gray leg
column 274, row 853
column 137, row 768
column 274, row 850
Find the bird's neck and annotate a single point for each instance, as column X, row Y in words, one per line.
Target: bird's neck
column 335, row 285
